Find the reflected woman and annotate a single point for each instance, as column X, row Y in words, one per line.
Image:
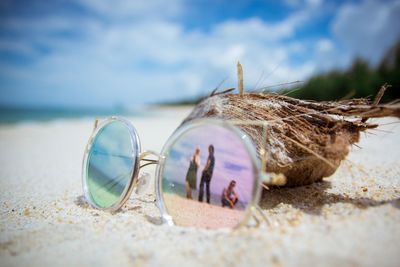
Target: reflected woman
column 191, row 176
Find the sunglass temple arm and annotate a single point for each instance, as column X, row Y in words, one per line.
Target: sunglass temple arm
column 267, row 178
column 256, row 210
column 96, row 123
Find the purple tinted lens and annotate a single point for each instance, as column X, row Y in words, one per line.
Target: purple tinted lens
column 208, row 178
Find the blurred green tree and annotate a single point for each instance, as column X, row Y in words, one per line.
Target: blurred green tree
column 360, row 80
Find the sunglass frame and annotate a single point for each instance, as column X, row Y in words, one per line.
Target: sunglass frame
column 135, row 141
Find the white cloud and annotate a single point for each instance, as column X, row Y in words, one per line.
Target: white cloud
column 368, row 28
column 153, row 58
column 258, row 30
column 145, row 60
column 325, row 45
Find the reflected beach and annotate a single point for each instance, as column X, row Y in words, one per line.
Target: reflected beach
column 208, row 178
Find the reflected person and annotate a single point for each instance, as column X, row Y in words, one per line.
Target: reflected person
column 191, row 176
column 207, row 174
column 229, row 195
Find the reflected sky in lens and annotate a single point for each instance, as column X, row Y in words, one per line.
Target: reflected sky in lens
column 110, row 164
column 232, row 161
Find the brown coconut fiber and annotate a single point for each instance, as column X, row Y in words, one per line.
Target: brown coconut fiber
column 305, row 140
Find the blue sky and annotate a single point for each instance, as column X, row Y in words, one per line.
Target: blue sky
column 88, row 53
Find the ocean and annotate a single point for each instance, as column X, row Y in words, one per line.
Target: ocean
column 15, row 115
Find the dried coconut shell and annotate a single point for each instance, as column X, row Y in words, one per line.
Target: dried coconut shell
column 306, row 140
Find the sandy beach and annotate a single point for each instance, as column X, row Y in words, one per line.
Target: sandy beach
column 350, row 219
column 193, row 213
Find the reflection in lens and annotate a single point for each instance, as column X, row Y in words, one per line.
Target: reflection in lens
column 208, row 178
column 110, row 164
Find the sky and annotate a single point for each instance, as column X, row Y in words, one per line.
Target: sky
column 123, row 53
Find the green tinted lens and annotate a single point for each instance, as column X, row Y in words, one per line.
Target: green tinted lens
column 110, row 164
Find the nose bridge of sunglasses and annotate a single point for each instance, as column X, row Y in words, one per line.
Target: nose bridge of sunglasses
column 148, row 161
column 143, row 181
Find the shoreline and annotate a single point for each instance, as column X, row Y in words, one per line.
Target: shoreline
column 12, row 116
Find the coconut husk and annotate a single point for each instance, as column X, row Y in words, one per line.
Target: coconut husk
column 305, row 140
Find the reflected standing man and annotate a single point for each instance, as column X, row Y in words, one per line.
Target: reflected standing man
column 207, row 174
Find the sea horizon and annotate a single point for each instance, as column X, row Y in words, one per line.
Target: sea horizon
column 14, row 114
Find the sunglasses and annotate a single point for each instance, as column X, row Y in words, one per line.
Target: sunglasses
column 194, row 176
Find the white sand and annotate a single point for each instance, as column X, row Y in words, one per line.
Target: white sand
column 351, row 219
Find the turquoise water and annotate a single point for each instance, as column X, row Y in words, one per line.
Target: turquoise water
column 14, row 115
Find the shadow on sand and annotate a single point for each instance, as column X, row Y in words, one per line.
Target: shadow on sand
column 312, row 198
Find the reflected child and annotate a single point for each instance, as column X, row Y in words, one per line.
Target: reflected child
column 229, row 195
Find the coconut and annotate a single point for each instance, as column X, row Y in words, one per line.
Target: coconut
column 303, row 140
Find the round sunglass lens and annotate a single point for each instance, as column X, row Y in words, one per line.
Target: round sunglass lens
column 208, row 179
column 110, row 165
